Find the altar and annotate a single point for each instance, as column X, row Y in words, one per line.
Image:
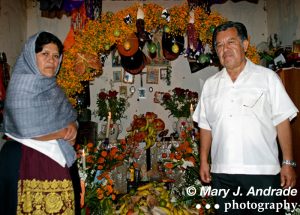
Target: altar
column 126, row 177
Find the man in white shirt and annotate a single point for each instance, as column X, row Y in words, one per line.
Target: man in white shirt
column 241, row 112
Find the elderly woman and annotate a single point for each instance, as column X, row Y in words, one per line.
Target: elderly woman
column 41, row 126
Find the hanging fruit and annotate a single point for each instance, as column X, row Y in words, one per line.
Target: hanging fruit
column 204, row 58
column 175, row 48
column 212, row 28
column 127, row 45
column 116, row 32
column 167, row 29
column 152, row 47
column 107, row 47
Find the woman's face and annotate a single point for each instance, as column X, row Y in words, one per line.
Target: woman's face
column 48, row 60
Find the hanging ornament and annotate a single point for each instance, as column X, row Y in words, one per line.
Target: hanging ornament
column 107, row 47
column 167, row 29
column 142, row 35
column 128, row 19
column 192, row 38
column 175, row 48
column 166, row 15
column 212, row 28
column 152, row 47
column 127, row 45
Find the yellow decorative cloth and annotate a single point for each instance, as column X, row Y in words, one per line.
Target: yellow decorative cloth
column 39, row 197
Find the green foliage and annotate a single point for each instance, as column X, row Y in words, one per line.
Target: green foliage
column 110, row 102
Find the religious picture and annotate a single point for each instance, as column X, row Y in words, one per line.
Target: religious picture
column 123, row 91
column 117, row 76
column 128, row 78
column 142, row 93
column 116, row 58
column 152, row 75
column 163, row 73
column 158, row 97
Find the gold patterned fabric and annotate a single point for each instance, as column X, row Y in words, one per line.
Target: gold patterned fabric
column 40, row 197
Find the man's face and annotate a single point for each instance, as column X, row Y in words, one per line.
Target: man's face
column 48, row 59
column 230, row 49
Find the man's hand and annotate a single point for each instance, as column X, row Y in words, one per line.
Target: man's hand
column 205, row 172
column 287, row 176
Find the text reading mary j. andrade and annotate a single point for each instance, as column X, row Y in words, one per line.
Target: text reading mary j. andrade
column 234, row 205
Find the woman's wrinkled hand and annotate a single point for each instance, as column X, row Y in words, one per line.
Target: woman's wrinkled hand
column 71, row 133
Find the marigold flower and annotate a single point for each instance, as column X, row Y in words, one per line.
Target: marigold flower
column 104, row 153
column 101, row 160
column 169, row 165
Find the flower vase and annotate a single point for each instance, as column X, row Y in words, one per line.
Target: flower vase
column 114, row 131
column 181, row 123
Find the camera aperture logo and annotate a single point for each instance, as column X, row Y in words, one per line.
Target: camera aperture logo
column 233, row 205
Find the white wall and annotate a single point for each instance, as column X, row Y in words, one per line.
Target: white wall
column 254, row 16
column 12, row 28
column 284, row 20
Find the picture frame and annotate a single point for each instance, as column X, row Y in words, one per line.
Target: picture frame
column 115, row 58
column 117, row 76
column 158, row 97
column 123, row 91
column 163, row 72
column 152, row 75
column 142, row 93
column 128, row 78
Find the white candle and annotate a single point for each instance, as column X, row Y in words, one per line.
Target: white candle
column 83, row 160
column 191, row 110
column 108, row 124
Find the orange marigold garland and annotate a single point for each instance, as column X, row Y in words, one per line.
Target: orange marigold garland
column 98, row 36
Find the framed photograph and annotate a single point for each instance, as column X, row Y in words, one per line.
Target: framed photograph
column 158, row 97
column 142, row 93
column 128, row 78
column 123, row 91
column 117, row 76
column 152, row 75
column 115, row 58
column 163, row 73
column 132, row 89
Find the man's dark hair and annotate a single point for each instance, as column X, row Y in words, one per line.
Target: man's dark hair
column 45, row 38
column 240, row 27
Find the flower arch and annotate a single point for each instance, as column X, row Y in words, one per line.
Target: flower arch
column 81, row 61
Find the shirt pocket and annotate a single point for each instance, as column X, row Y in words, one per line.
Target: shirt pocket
column 254, row 103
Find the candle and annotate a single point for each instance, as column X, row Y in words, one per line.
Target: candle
column 83, row 160
column 108, row 124
column 191, row 110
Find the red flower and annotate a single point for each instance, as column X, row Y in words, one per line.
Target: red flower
column 112, row 94
column 102, row 95
column 166, row 96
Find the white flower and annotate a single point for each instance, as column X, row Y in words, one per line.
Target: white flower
column 198, row 182
column 187, row 164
